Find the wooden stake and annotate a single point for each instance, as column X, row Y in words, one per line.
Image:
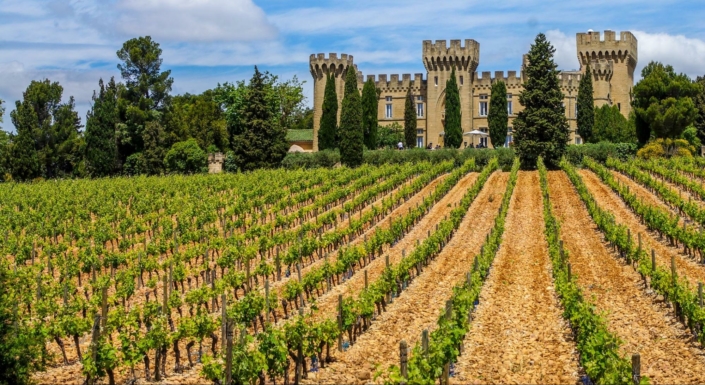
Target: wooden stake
column 424, row 342
column 636, row 369
column 266, row 298
column 403, row 360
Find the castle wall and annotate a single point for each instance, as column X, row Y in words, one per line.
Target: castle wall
column 612, row 65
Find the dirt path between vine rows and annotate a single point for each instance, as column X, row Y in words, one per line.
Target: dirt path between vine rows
column 71, row 374
column 418, row 307
column 400, row 211
column 609, row 200
column 328, row 302
column 645, row 326
column 652, row 198
column 518, row 334
column 677, row 188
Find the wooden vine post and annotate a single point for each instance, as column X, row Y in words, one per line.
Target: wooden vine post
column 700, row 294
column 424, row 342
column 95, row 336
column 298, row 272
column 340, row 322
column 223, row 317
column 636, row 369
column 104, row 307
column 403, row 360
column 228, row 352
column 266, row 298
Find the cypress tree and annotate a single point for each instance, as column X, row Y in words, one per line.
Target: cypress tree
column 25, row 160
column 262, row 142
column 541, row 129
column 101, row 147
column 369, row 114
column 351, row 136
column 409, row 121
column 328, row 130
column 586, row 107
column 453, row 130
column 498, row 118
column 699, row 101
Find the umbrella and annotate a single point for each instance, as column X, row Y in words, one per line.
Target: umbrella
column 476, row 132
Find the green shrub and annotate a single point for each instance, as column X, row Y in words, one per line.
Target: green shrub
column 186, row 157
column 135, row 164
column 600, row 151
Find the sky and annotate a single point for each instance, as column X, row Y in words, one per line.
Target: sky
column 206, row 42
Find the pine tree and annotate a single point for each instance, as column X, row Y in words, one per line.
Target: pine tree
column 409, row 121
column 369, row 114
column 328, row 130
column 25, row 161
column 586, row 107
column 699, row 101
column 541, row 129
column 453, row 129
column 101, row 146
column 154, row 140
column 262, row 142
column 498, row 118
column 351, row 135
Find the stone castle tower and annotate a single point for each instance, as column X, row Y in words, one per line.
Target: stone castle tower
column 612, row 63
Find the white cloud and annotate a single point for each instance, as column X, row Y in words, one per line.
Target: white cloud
column 194, row 20
column 685, row 54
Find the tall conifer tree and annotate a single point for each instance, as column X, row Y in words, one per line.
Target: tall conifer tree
column 498, row 117
column 328, row 130
column 541, row 129
column 262, row 142
column 369, row 114
column 101, row 146
column 25, row 160
column 351, row 136
column 409, row 121
column 586, row 107
column 453, row 129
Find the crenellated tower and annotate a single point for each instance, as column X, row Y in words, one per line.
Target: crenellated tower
column 320, row 67
column 439, row 59
column 612, row 63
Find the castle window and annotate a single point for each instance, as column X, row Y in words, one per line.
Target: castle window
column 509, row 96
column 435, row 80
column 419, row 142
column 509, row 107
column 388, row 98
column 619, row 106
column 389, row 111
column 507, row 140
column 461, row 80
column 419, row 98
column 483, row 105
column 419, row 110
column 578, row 140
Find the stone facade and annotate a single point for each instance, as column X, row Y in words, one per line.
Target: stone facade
column 215, row 163
column 611, row 61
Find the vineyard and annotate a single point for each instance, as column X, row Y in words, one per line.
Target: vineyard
column 408, row 273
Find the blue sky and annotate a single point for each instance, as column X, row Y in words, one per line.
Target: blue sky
column 207, row 42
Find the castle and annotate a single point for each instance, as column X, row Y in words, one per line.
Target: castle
column 611, row 61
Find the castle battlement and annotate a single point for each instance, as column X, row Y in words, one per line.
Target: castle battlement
column 320, row 64
column 439, row 55
column 394, row 83
column 486, row 80
column 591, row 46
column 602, row 69
column 569, row 80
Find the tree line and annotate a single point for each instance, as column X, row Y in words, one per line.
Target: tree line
column 136, row 126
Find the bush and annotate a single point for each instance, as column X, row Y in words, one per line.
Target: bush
column 135, row 164
column 325, row 158
column 230, row 163
column 667, row 148
column 186, row 157
column 330, row 158
column 600, row 151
